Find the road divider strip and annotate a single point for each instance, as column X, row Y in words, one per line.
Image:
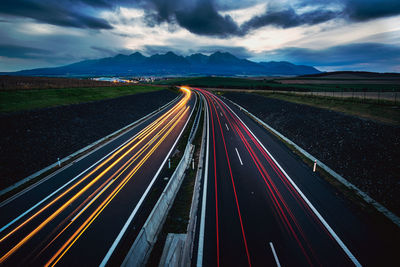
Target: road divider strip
column 379, row 207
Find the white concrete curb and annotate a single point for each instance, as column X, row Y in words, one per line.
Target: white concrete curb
column 83, row 150
column 141, row 248
column 390, row 215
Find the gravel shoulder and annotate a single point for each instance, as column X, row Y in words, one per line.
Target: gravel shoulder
column 32, row 140
column 365, row 152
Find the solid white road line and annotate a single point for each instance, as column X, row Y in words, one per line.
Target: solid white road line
column 278, row 264
column 227, row 128
column 139, row 204
column 204, row 199
column 327, row 226
column 237, row 152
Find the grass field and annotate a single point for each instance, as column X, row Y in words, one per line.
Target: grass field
column 273, row 84
column 17, row 100
column 386, row 112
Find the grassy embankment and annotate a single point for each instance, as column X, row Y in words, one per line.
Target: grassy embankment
column 274, row 84
column 383, row 111
column 18, row 100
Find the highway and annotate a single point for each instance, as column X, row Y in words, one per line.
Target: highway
column 261, row 206
column 82, row 214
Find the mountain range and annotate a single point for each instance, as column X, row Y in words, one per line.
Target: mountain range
column 136, row 64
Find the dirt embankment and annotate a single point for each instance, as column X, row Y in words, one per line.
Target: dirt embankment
column 32, row 140
column 365, row 152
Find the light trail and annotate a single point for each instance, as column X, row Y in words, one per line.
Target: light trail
column 121, row 170
column 180, row 109
column 278, row 201
column 60, row 253
column 234, row 189
column 147, row 131
column 287, row 214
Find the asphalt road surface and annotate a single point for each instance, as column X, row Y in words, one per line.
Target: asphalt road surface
column 80, row 215
column 261, row 206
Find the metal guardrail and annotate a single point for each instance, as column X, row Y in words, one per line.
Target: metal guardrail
column 83, row 150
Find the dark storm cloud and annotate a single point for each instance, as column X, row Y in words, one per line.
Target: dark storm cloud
column 200, row 17
column 61, row 13
column 360, row 10
column 205, row 20
column 16, row 51
column 288, row 18
column 360, row 53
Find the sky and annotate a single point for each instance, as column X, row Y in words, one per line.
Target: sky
column 330, row 35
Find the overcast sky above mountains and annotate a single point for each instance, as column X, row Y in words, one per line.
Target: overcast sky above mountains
column 330, row 35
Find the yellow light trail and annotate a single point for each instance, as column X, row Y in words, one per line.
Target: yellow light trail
column 61, row 252
column 147, row 131
column 125, row 166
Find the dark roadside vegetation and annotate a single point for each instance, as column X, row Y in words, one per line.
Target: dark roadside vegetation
column 32, row 139
column 364, row 151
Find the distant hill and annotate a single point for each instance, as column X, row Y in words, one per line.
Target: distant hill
column 218, row 63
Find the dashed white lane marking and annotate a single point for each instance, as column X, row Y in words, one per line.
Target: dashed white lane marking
column 237, row 152
column 227, row 128
column 278, row 264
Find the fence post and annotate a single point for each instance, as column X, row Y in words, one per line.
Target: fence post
column 379, row 95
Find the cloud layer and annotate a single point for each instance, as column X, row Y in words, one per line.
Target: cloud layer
column 199, row 16
column 53, row 32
